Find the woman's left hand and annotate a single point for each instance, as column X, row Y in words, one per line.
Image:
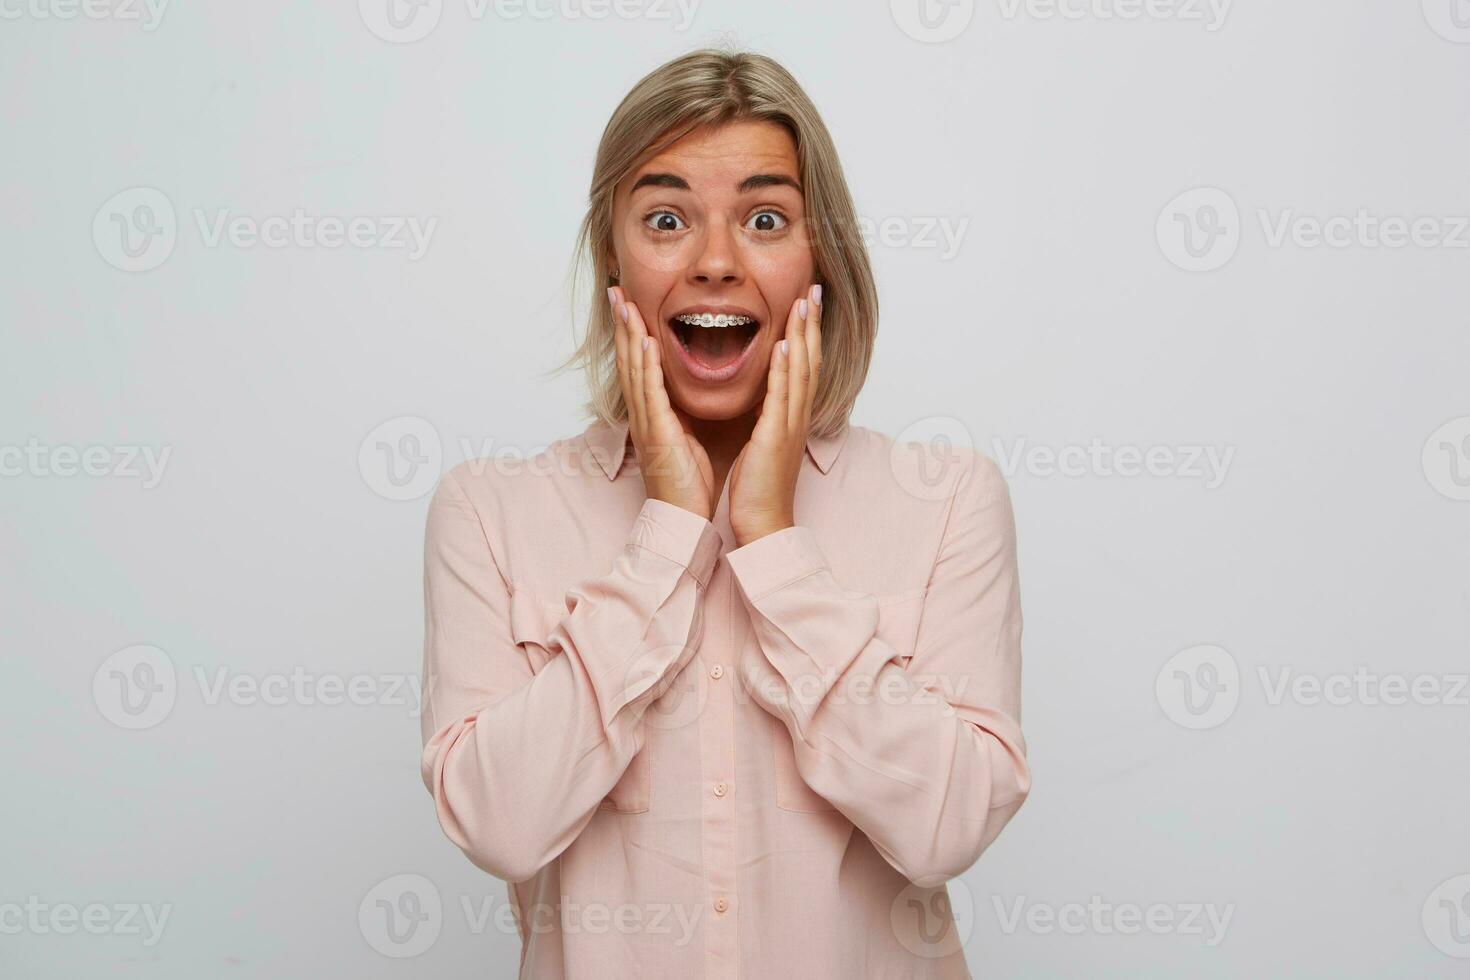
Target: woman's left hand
column 763, row 476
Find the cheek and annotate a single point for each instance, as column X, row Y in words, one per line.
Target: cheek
column 654, row 257
column 782, row 275
column 646, row 283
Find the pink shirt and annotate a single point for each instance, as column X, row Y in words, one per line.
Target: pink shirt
column 691, row 760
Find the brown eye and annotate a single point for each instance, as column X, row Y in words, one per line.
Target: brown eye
column 664, row 221
column 767, row 221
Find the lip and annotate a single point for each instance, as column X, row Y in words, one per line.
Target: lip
column 701, row 372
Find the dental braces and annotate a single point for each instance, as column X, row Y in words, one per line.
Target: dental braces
column 714, row 319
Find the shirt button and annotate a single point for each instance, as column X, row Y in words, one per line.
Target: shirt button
column 717, row 671
column 719, row 789
column 721, row 905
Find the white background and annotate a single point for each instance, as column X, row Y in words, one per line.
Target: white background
column 1051, row 141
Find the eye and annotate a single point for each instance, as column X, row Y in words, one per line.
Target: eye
column 767, row 221
column 665, row 222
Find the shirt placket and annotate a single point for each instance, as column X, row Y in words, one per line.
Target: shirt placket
column 718, row 789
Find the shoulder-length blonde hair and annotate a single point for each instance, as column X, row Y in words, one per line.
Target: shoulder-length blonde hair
column 713, row 87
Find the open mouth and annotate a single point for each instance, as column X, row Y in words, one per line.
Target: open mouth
column 716, row 342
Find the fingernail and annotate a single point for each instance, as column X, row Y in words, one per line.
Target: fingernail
column 785, row 344
column 623, row 311
column 801, row 309
column 612, row 297
column 817, row 294
column 645, row 343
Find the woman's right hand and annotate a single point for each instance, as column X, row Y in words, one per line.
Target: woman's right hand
column 675, row 467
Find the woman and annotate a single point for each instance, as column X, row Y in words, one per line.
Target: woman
column 725, row 687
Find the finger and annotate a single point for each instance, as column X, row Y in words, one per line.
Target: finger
column 773, row 408
column 620, row 344
column 647, row 360
column 813, row 351
column 796, row 361
column 635, row 361
column 655, row 396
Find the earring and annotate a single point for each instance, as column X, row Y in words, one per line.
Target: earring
column 615, row 274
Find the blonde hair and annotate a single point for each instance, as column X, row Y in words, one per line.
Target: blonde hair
column 713, row 87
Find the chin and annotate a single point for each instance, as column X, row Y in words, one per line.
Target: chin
column 712, row 404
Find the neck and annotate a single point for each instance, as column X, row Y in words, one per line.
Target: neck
column 722, row 439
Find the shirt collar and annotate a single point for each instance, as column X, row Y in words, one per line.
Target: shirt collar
column 611, row 443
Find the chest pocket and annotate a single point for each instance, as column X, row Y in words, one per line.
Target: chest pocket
column 533, row 619
column 898, row 626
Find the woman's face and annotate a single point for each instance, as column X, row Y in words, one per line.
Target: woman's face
column 715, row 224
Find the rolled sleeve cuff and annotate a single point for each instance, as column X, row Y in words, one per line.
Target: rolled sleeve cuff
column 775, row 561
column 679, row 535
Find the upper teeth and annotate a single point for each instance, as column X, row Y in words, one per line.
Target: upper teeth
column 714, row 319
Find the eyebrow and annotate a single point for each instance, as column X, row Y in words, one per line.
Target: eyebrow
column 753, row 182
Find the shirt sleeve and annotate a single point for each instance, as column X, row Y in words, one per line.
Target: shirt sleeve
column 926, row 759
column 517, row 761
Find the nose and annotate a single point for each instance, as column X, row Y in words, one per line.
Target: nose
column 717, row 258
